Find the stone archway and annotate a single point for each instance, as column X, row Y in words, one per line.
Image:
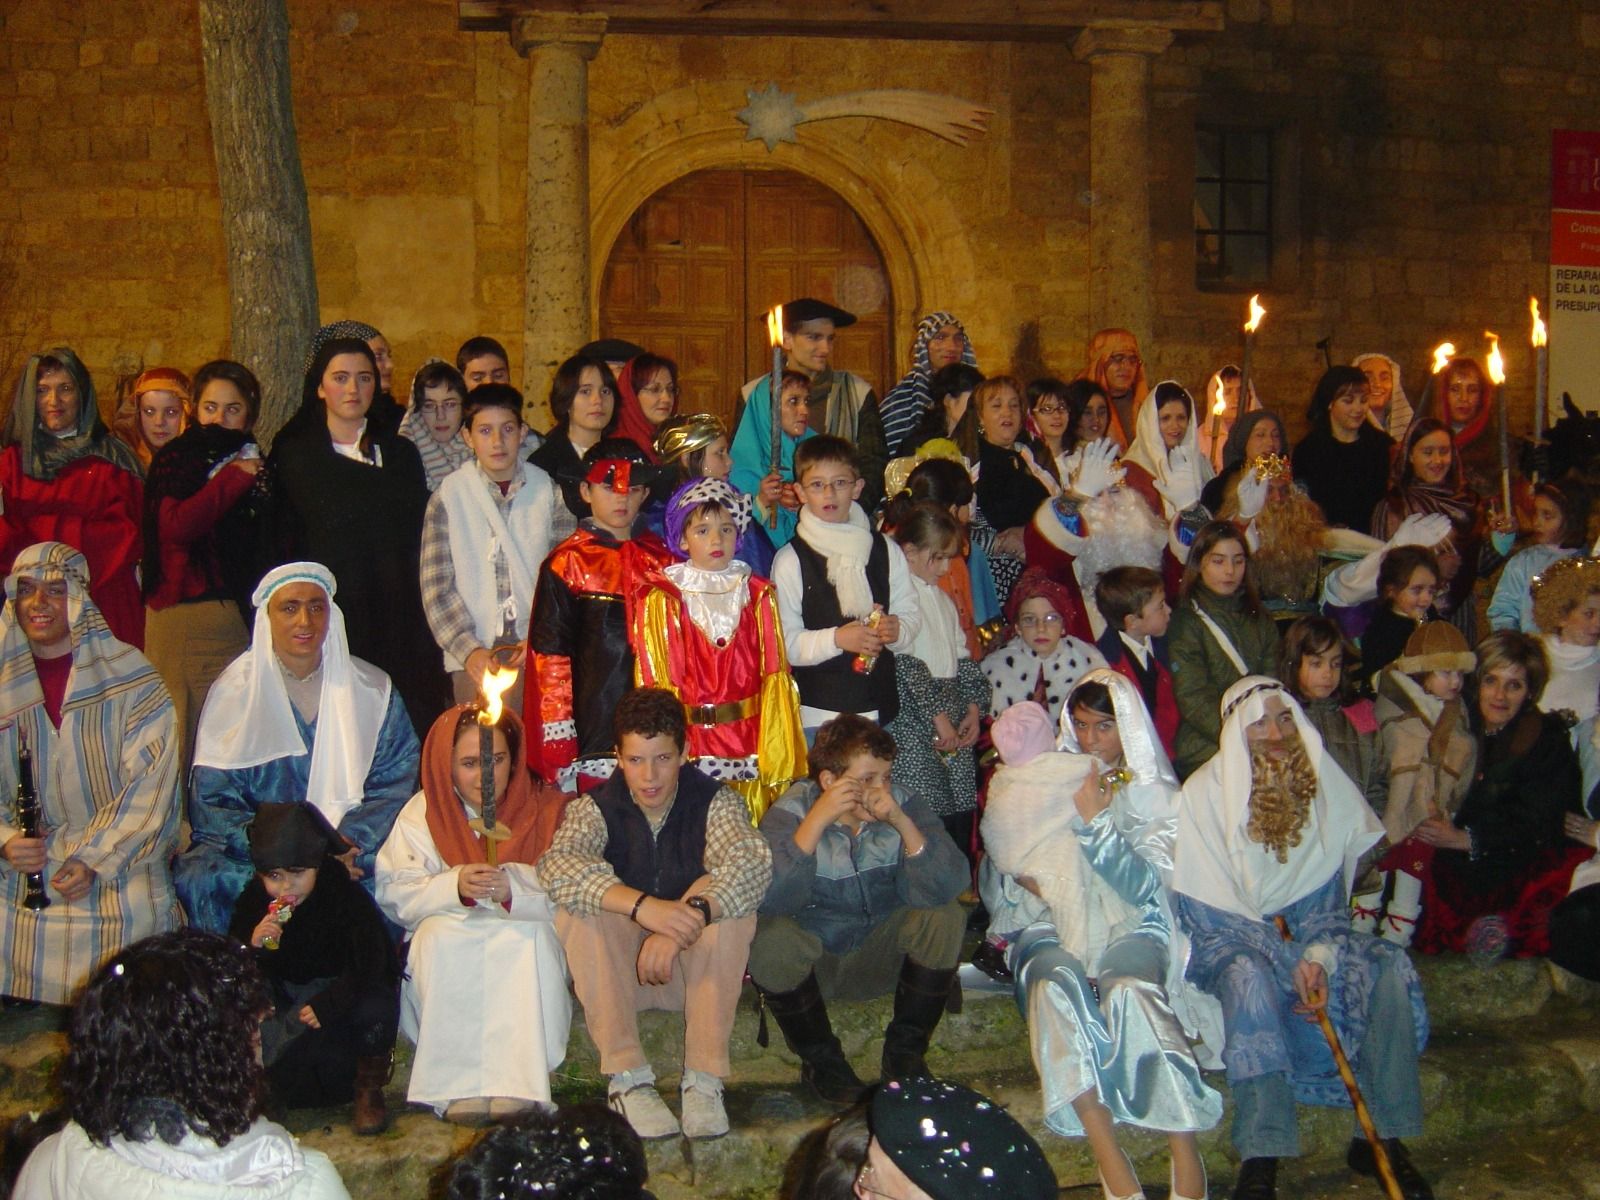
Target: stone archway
column 699, row 261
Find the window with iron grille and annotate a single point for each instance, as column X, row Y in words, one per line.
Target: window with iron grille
column 1232, row 206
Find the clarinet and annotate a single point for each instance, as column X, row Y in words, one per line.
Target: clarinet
column 28, row 814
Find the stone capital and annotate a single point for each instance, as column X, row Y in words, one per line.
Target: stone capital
column 580, row 32
column 1097, row 40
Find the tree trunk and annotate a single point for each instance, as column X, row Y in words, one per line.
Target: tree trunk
column 272, row 285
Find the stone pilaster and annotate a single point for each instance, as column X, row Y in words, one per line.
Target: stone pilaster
column 1121, row 265
column 555, row 319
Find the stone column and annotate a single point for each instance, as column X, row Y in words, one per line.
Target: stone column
column 555, row 315
column 1121, row 266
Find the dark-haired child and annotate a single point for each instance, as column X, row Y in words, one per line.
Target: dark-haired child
column 969, row 583
column 862, row 902
column 844, row 593
column 1133, row 603
column 329, row 961
column 1559, row 530
column 582, row 1152
column 581, row 661
column 484, row 537
column 1408, row 581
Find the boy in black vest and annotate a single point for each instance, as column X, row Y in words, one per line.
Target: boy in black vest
column 656, row 875
column 844, row 593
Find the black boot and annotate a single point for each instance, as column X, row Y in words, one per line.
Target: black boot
column 919, row 1001
column 1363, row 1161
column 803, row 1018
column 1258, row 1180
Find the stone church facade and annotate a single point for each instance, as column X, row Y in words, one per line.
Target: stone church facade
column 1378, row 171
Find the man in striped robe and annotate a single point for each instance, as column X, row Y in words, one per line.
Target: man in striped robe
column 100, row 727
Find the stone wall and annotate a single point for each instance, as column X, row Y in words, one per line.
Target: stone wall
column 1421, row 132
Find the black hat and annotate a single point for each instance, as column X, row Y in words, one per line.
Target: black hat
column 610, row 455
column 611, row 350
column 797, row 312
column 290, row 835
column 956, row 1144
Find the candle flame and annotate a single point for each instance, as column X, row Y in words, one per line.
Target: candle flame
column 1220, row 405
column 1496, row 364
column 775, row 326
column 1540, row 338
column 495, row 684
column 1442, row 354
column 1256, row 313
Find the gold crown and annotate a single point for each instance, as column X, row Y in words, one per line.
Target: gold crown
column 1270, row 466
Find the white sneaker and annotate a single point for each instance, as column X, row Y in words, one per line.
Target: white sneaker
column 703, row 1114
column 634, row 1095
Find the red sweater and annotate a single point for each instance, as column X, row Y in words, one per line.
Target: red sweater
column 184, row 527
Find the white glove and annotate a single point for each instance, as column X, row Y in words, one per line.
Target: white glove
column 1097, row 469
column 1183, row 485
column 1421, row 529
column 1252, row 494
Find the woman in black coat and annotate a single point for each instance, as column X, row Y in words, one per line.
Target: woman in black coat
column 1343, row 463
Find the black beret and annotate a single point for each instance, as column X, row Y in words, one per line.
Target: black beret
column 611, row 350
column 797, row 312
column 291, row 836
column 956, row 1144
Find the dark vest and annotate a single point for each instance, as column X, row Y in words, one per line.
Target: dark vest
column 836, row 684
column 664, row 865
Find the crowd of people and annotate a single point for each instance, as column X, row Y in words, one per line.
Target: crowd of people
column 435, row 723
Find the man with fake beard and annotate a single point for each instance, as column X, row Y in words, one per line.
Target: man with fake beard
column 1272, row 828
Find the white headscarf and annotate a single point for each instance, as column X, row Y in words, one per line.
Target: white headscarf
column 1142, row 752
column 248, row 718
column 1151, row 453
column 1218, row 863
column 1398, row 418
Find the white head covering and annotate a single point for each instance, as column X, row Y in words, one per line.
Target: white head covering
column 1150, row 452
column 1142, row 752
column 248, row 719
column 1399, row 415
column 1218, row 863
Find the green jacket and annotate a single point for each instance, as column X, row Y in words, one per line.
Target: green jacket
column 1201, row 671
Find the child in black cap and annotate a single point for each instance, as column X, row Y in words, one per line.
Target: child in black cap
column 330, row 962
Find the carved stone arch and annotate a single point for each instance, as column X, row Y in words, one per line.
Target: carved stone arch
column 924, row 245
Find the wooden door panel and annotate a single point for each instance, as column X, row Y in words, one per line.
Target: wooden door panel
column 704, row 258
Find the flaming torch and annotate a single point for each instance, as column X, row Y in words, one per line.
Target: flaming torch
column 1218, row 406
column 1497, row 376
column 1250, row 327
column 775, row 336
column 1541, row 371
column 1442, row 354
column 495, row 684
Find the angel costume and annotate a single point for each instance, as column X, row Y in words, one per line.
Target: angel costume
column 339, row 740
column 1228, row 891
column 1103, row 914
column 105, row 763
column 485, row 997
column 714, row 639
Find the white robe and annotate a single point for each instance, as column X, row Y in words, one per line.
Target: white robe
column 485, row 999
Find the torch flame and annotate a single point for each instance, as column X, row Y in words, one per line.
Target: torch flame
column 1220, row 405
column 495, row 684
column 775, row 326
column 1256, row 313
column 1539, row 336
column 1496, row 364
column 1442, row 354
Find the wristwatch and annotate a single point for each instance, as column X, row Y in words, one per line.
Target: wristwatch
column 701, row 905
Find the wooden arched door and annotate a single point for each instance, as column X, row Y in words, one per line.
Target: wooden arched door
column 699, row 264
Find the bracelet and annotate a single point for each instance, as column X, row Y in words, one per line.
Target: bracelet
column 637, row 904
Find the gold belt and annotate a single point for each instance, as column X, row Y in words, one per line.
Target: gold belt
column 721, row 714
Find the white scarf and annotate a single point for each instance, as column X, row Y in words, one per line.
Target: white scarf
column 1150, row 451
column 714, row 600
column 248, row 719
column 1217, row 862
column 1574, row 683
column 846, row 545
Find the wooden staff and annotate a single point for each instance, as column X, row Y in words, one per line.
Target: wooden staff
column 1391, row 1185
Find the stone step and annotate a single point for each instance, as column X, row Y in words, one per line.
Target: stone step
column 1512, row 1046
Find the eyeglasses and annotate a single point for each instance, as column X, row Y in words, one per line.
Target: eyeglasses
column 666, row 389
column 1050, row 410
column 1031, row 621
column 445, row 408
column 1123, row 360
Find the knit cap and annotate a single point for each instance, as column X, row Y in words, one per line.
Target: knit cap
column 1023, row 732
column 1435, row 646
